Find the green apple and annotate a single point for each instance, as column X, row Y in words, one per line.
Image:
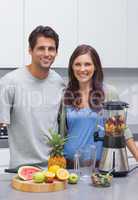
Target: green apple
column 73, row 178
column 38, row 177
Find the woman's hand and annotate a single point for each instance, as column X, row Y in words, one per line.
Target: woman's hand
column 133, row 148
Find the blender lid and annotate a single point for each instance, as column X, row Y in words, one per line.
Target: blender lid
column 115, row 105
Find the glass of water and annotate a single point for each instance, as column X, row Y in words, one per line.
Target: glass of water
column 84, row 161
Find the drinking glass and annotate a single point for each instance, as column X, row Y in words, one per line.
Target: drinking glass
column 84, row 161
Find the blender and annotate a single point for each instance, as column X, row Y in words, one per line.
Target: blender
column 114, row 155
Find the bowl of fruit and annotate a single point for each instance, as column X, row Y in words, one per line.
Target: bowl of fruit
column 101, row 180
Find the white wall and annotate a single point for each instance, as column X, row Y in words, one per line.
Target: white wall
column 126, row 82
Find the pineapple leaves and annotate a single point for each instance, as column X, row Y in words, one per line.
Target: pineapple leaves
column 56, row 142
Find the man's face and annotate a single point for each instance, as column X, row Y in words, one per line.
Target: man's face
column 44, row 53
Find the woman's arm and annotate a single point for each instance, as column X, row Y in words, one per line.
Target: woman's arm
column 131, row 143
column 132, row 147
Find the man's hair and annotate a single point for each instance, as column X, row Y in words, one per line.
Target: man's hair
column 44, row 31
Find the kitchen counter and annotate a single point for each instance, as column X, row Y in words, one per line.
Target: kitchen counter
column 122, row 188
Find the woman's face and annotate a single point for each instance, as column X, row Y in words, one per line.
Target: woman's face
column 83, row 68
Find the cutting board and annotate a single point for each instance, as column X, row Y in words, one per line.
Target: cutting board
column 30, row 186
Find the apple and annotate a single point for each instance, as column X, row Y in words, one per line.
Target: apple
column 38, row 177
column 73, row 178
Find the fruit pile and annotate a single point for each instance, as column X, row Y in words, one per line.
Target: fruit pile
column 53, row 173
column 115, row 125
column 56, row 164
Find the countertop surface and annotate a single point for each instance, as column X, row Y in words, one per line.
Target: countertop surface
column 122, row 188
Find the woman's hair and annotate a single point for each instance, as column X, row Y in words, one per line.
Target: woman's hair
column 72, row 96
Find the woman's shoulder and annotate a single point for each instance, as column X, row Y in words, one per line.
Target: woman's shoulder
column 111, row 92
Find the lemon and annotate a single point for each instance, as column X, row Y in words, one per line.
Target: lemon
column 49, row 177
column 62, row 174
column 54, row 168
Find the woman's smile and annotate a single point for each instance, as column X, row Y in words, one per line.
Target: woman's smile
column 83, row 68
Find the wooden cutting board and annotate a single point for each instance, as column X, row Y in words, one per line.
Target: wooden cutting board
column 30, row 186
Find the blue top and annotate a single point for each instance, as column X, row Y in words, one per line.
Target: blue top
column 81, row 125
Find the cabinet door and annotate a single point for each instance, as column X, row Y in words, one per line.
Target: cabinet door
column 11, row 33
column 4, row 157
column 102, row 24
column 132, row 33
column 61, row 16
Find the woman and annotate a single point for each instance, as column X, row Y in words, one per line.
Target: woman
column 83, row 98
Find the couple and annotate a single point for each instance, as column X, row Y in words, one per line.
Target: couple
column 31, row 98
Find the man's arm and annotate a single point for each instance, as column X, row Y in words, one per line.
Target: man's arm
column 6, row 101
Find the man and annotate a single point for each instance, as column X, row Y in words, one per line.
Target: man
column 30, row 99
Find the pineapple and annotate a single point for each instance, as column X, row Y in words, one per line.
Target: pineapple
column 56, row 142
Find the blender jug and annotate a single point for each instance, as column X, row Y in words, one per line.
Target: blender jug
column 114, row 155
column 115, row 114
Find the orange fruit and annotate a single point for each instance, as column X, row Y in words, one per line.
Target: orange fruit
column 49, row 176
column 62, row 174
column 53, row 168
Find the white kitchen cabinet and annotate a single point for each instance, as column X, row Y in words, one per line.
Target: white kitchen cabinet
column 11, row 33
column 102, row 24
column 110, row 26
column 61, row 16
column 132, row 33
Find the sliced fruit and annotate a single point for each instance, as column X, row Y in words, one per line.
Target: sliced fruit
column 38, row 177
column 53, row 168
column 49, row 176
column 26, row 172
column 73, row 178
column 62, row 174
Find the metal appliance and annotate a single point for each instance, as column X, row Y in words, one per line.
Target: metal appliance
column 114, row 154
column 3, row 132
